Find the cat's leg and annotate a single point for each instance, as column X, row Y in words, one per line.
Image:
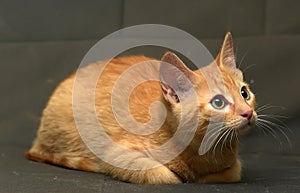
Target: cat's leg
column 136, row 167
column 158, row 174
column 230, row 175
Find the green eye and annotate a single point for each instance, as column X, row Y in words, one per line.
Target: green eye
column 245, row 93
column 218, row 102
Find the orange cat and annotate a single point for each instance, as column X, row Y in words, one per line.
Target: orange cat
column 213, row 100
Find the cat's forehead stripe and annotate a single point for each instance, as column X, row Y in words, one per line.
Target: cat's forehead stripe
column 226, row 85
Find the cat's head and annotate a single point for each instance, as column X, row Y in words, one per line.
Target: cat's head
column 222, row 94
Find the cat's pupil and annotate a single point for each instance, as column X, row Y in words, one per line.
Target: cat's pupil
column 218, row 102
column 244, row 93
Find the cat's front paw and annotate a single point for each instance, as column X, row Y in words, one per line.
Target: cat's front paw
column 161, row 175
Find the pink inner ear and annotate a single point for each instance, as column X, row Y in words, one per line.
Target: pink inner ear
column 174, row 77
column 169, row 94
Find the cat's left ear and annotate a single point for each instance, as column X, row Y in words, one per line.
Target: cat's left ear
column 226, row 54
column 175, row 78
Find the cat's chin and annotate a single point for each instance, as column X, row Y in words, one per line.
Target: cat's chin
column 244, row 129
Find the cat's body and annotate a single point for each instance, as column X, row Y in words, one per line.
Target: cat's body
column 59, row 142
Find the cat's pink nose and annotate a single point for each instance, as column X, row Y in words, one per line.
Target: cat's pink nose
column 248, row 114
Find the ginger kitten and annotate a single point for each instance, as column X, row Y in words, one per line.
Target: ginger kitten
column 214, row 100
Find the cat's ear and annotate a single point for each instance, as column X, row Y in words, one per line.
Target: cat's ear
column 226, row 54
column 175, row 78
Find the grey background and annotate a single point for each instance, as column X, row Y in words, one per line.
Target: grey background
column 43, row 41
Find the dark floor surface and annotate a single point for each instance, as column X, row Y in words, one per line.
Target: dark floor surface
column 267, row 168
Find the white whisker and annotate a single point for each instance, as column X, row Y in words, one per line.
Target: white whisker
column 279, row 127
column 225, row 139
column 232, row 133
column 268, row 128
column 213, row 137
column 265, row 107
column 216, row 144
column 241, row 61
column 248, row 67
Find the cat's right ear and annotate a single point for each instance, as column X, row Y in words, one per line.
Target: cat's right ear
column 175, row 78
column 226, row 55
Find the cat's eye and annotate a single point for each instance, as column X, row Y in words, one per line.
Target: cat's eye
column 218, row 102
column 245, row 93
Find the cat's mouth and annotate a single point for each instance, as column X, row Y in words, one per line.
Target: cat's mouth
column 245, row 127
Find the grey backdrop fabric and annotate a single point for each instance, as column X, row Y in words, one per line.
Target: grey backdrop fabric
column 43, row 41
